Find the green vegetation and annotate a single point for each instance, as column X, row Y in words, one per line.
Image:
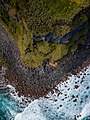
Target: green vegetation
column 2, row 62
column 26, row 18
column 42, row 16
column 43, row 51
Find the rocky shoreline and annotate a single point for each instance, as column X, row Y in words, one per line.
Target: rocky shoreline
column 33, row 82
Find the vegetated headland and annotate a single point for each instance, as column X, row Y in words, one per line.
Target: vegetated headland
column 39, row 49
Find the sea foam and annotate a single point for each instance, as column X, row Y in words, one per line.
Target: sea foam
column 70, row 100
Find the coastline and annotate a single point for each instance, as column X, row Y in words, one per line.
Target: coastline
column 69, row 100
column 33, row 82
column 43, row 92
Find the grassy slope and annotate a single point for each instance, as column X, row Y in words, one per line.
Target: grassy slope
column 38, row 17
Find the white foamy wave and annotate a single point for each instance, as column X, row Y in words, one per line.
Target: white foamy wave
column 32, row 112
column 85, row 112
column 13, row 102
column 68, row 101
column 21, row 99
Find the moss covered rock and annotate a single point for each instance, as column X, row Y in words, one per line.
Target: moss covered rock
column 24, row 19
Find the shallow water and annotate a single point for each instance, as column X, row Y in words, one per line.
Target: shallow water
column 8, row 107
column 70, row 100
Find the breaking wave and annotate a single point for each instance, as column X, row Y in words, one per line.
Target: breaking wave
column 69, row 101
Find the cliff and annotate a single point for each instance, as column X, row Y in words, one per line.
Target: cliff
column 33, row 82
column 31, row 21
column 40, row 42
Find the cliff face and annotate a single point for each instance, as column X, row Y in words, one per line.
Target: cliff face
column 32, row 47
column 37, row 82
column 29, row 21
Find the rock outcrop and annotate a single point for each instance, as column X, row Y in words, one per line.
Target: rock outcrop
column 23, row 57
column 36, row 19
column 37, row 82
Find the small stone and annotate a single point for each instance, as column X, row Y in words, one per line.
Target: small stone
column 75, row 100
column 76, row 86
column 60, row 105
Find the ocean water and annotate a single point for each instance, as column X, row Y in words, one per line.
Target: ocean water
column 69, row 101
column 10, row 104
